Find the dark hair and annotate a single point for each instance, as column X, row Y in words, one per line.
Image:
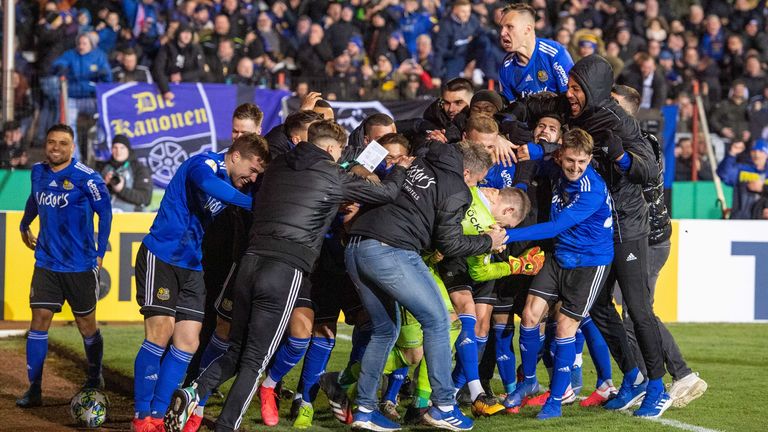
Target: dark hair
column 248, row 111
column 458, row 84
column 300, row 120
column 250, row 145
column 630, row 95
column 395, row 138
column 326, row 129
column 322, row 103
column 60, row 127
column 461, row 3
column 129, row 51
column 521, row 8
column 378, row 119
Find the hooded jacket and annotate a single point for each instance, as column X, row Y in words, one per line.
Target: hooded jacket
column 298, row 199
column 172, row 58
column 601, row 113
column 428, row 212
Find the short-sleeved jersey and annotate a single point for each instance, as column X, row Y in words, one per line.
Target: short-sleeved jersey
column 65, row 201
column 176, row 234
column 547, row 70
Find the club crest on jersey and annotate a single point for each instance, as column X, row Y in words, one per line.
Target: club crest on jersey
column 227, row 305
column 542, row 76
column 163, row 293
column 67, row 185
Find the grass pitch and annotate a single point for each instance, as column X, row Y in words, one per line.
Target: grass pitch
column 730, row 357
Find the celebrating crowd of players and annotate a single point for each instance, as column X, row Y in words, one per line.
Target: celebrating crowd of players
column 482, row 210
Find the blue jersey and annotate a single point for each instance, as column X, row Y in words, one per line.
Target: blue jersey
column 65, row 201
column 547, row 70
column 581, row 222
column 199, row 190
column 499, row 176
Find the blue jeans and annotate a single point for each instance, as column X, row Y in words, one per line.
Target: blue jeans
column 387, row 277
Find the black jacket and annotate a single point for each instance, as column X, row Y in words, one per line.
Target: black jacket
column 601, row 113
column 298, row 198
column 661, row 224
column 172, row 58
column 428, row 212
column 278, row 141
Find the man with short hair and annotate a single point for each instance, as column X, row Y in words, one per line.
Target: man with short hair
column 65, row 194
column 582, row 226
column 285, row 240
column 169, row 277
column 283, row 138
column 129, row 70
column 532, row 64
column 458, row 34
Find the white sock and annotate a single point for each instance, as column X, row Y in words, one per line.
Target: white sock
column 579, row 360
column 475, row 388
column 269, row 382
column 199, row 410
column 364, row 409
column 306, row 404
column 640, row 378
column 445, row 408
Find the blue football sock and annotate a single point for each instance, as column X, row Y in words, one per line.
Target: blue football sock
column 530, row 344
column 655, row 386
column 94, row 352
column 466, row 352
column 361, row 335
column 37, row 349
column 146, row 370
column 565, row 354
column 394, row 382
column 216, row 348
column 289, row 354
column 172, row 371
column 314, row 365
column 634, row 376
column 505, row 355
column 598, row 350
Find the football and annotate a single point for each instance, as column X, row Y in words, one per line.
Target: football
column 89, row 407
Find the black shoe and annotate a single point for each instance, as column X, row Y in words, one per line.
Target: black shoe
column 96, row 383
column 295, row 405
column 337, row 397
column 463, row 397
column 32, row 398
column 414, row 416
column 487, row 388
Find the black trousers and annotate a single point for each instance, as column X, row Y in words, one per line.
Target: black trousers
column 265, row 292
column 630, row 269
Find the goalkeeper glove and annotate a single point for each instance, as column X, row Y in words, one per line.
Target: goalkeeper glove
column 529, row 263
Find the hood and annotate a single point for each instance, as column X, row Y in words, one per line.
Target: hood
column 355, row 144
column 435, row 114
column 595, row 76
column 304, row 155
column 446, row 157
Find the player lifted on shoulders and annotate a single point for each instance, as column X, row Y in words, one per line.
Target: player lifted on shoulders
column 532, row 64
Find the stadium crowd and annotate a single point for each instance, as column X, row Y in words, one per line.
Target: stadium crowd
column 389, row 49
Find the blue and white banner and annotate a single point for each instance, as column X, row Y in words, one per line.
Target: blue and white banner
column 164, row 134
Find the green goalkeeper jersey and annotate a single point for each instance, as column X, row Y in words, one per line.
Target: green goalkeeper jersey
column 478, row 220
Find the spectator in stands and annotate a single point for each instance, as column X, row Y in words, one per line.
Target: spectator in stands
column 13, row 153
column 758, row 114
column 129, row 70
column 128, row 180
column 385, row 82
column 396, row 46
column 732, row 64
column 142, row 16
column 221, row 66
column 454, row 41
column 245, row 73
column 414, row 23
column 647, row 79
column 51, row 36
column 629, row 44
column 748, row 179
column 344, row 81
column 209, row 41
column 341, row 31
column 376, row 35
column 84, row 66
column 178, row 61
column 238, row 23
column 270, row 47
column 755, row 38
column 201, row 21
column 760, row 209
column 108, row 31
column 713, row 40
column 754, row 75
column 316, row 52
column 729, row 118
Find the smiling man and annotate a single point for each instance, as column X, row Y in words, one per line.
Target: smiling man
column 582, row 226
column 169, row 277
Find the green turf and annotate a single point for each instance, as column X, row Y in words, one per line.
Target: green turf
column 730, row 357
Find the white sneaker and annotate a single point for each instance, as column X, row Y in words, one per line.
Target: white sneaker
column 687, row 389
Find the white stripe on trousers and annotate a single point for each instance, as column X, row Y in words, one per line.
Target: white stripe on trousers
column 149, row 279
column 232, row 268
column 594, row 289
column 292, row 294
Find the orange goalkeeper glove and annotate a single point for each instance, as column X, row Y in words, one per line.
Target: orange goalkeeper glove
column 529, row 263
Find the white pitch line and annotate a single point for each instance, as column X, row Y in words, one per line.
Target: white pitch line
column 681, row 425
column 12, row 333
